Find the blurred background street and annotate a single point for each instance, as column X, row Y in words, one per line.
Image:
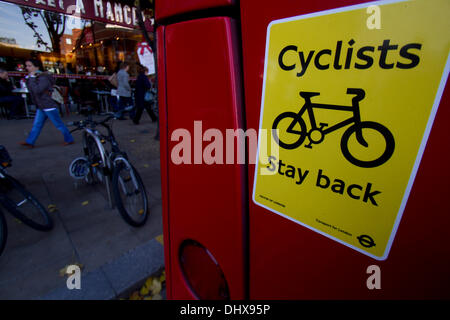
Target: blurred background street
column 114, row 256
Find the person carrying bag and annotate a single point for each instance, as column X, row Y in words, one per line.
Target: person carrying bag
column 144, row 96
column 40, row 86
column 113, row 80
column 124, row 91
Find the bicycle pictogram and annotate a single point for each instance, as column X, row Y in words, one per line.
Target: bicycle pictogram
column 316, row 134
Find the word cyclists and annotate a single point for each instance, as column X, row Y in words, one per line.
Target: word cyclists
column 189, row 309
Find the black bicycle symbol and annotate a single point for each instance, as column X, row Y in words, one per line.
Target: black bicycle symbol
column 317, row 134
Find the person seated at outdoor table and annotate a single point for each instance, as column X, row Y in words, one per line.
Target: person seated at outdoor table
column 99, row 85
column 13, row 102
column 40, row 85
column 84, row 96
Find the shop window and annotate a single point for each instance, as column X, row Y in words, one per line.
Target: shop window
column 65, row 44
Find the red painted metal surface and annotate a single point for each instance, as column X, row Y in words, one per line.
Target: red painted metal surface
column 168, row 8
column 198, row 75
column 164, row 158
column 288, row 261
column 205, row 203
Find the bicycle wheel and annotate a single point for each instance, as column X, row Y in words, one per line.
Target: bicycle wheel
column 3, row 232
column 292, row 139
column 96, row 165
column 25, row 207
column 129, row 194
column 378, row 160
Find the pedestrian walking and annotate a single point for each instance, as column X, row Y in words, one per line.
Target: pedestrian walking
column 124, row 90
column 143, row 88
column 40, row 86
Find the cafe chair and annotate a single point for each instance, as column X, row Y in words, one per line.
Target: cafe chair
column 65, row 105
column 84, row 99
column 4, row 111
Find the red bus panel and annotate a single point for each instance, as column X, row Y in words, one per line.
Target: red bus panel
column 169, row 8
column 203, row 202
column 199, row 80
column 289, row 261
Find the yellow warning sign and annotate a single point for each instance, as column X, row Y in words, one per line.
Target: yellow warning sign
column 350, row 96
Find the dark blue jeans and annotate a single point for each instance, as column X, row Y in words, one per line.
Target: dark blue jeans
column 39, row 121
column 125, row 104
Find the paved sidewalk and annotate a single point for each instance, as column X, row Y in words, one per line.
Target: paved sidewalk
column 114, row 255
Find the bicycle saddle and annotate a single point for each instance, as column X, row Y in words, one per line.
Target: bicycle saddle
column 306, row 95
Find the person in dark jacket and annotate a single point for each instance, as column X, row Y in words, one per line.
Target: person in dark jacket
column 40, row 86
column 14, row 103
column 142, row 86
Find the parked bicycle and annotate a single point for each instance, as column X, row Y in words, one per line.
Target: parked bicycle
column 317, row 134
column 23, row 205
column 111, row 167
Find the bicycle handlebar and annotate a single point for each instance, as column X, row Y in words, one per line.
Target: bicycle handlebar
column 83, row 123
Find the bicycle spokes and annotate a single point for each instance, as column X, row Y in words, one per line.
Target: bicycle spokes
column 128, row 184
column 130, row 193
column 16, row 200
column 23, row 203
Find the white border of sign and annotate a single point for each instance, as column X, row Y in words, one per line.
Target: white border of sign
column 422, row 145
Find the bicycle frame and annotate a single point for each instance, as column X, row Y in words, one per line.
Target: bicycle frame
column 128, row 165
column 309, row 106
column 105, row 155
column 1, row 173
column 105, row 159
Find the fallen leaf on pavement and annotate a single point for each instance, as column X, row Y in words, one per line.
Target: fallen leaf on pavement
column 135, row 296
column 144, row 291
column 63, row 272
column 148, row 282
column 151, row 289
column 160, row 239
column 156, row 286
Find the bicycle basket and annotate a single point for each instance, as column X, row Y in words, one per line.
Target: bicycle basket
column 5, row 159
column 79, row 168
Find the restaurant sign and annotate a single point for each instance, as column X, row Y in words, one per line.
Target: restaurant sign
column 113, row 12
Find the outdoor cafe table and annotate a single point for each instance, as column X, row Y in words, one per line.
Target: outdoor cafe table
column 23, row 92
column 102, row 96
